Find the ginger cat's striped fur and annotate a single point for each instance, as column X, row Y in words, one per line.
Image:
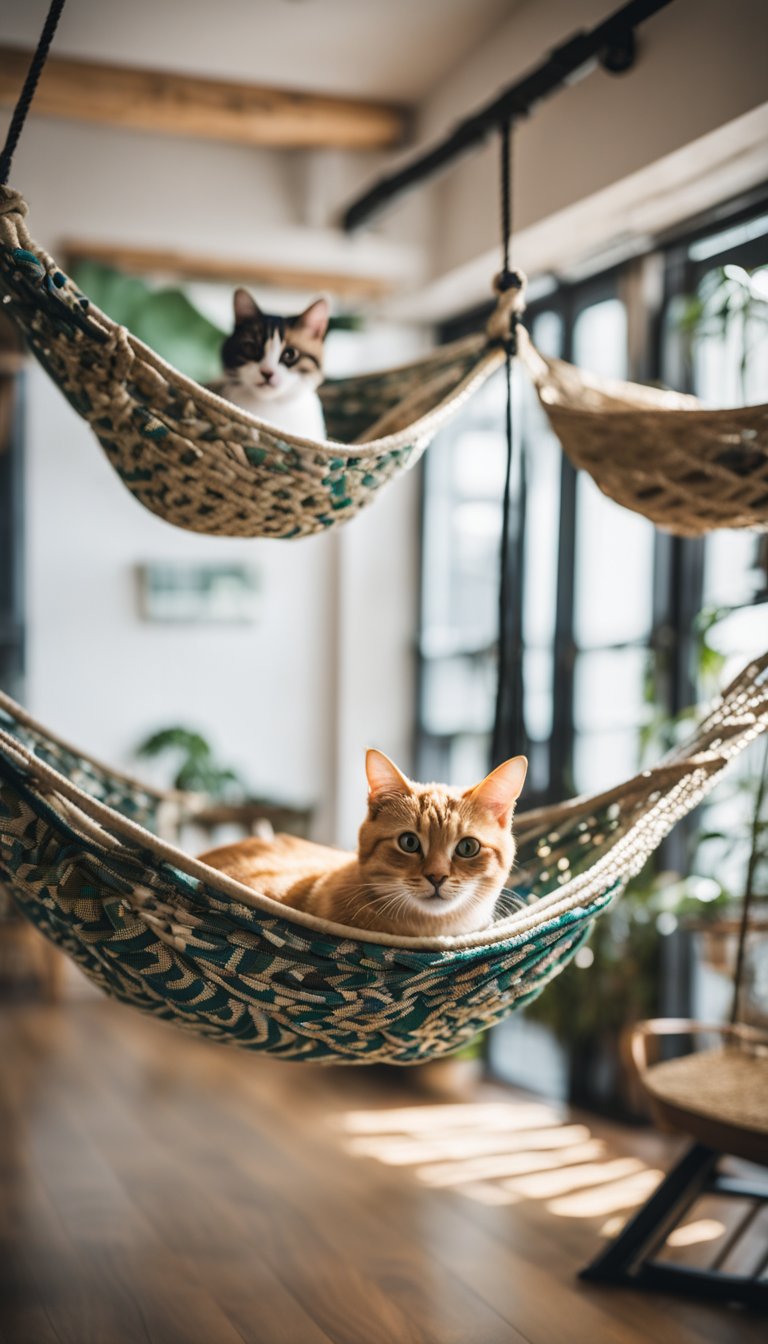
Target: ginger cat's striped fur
column 430, row 860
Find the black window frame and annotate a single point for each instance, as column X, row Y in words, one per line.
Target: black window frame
column 678, row 563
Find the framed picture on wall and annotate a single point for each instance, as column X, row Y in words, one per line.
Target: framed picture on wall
column 177, row 592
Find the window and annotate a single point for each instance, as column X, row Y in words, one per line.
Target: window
column 607, row 604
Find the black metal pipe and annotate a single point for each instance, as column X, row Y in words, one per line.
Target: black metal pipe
column 561, row 66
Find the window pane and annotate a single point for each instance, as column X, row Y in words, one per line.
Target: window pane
column 603, row 759
column 614, row 570
column 458, row 695
column 609, row 689
column 469, row 759
column 732, row 570
column 543, row 467
column 614, row 548
column 538, row 670
column 600, row 339
column 479, row 463
column 547, row 333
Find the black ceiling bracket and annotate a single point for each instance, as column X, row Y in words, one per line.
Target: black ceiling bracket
column 621, row 55
column 610, row 44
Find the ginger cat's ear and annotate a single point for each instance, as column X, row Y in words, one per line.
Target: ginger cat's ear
column 246, row 307
column 314, row 320
column 500, row 790
column 383, row 775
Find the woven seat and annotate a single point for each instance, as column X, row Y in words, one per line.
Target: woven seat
column 717, row 1096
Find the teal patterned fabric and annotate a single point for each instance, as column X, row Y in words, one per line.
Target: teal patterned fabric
column 171, row 937
column 199, row 462
column 151, row 935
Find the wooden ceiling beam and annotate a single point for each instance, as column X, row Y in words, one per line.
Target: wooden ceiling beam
column 146, row 261
column 208, row 109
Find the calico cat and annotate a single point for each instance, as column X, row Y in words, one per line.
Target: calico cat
column 430, row 859
column 273, row 366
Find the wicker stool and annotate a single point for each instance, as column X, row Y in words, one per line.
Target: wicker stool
column 719, row 1098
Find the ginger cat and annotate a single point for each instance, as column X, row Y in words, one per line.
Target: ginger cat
column 430, row 860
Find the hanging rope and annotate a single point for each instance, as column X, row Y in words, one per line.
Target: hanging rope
column 508, row 718
column 28, row 89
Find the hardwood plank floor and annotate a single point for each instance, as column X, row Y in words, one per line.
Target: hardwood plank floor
column 158, row 1189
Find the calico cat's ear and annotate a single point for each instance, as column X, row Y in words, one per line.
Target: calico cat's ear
column 500, row 790
column 383, row 775
column 246, row 307
column 314, row 319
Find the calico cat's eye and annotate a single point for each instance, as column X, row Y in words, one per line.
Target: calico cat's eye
column 290, row 355
column 409, row 842
column 468, row 847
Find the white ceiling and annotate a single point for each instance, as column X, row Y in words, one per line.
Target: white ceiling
column 391, row 49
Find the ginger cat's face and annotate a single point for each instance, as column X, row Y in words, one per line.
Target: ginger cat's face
column 434, row 859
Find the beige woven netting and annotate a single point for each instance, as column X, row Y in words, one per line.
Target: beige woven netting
column 662, row 454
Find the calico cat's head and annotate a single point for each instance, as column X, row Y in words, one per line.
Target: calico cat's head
column 433, row 859
column 275, row 356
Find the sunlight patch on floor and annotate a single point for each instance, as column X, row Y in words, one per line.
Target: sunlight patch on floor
column 498, row 1165
column 597, row 1201
column 503, row 1115
column 406, row 1151
column 501, row 1153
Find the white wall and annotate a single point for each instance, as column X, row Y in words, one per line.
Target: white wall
column 266, row 695
column 292, row 701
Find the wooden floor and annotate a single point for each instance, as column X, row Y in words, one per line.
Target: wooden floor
column 159, row 1190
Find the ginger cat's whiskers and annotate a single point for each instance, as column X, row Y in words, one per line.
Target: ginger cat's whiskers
column 431, row 859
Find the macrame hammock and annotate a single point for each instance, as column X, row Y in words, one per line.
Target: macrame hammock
column 80, row 852
column 205, row 465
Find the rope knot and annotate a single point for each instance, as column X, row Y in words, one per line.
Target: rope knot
column 11, row 203
column 510, row 306
column 506, row 280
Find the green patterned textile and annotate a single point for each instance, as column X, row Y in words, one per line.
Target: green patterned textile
column 165, row 933
column 202, row 463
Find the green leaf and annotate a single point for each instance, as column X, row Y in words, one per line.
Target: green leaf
column 164, row 319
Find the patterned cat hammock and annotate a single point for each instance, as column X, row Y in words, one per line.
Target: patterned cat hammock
column 661, row 454
column 159, row 930
column 202, row 463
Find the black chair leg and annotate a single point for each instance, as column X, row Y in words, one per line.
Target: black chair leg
column 628, row 1260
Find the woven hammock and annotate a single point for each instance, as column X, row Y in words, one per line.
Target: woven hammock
column 205, row 465
column 197, row 460
column 157, row 929
column 687, row 469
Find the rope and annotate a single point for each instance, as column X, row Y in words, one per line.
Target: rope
column 28, row 89
column 508, row 711
column 506, row 197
